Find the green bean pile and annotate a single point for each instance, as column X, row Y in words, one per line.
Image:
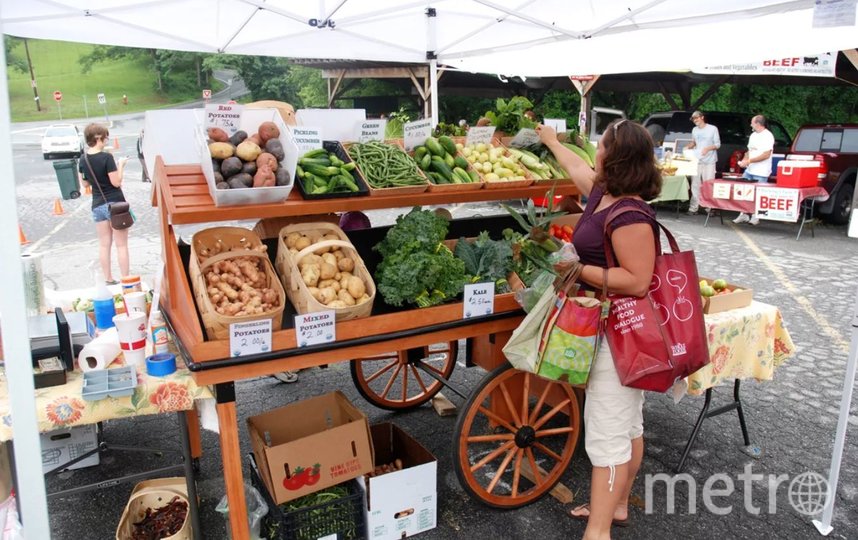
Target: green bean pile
column 385, row 165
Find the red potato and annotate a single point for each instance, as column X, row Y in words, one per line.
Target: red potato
column 218, row 135
column 267, row 159
column 268, row 130
column 264, row 177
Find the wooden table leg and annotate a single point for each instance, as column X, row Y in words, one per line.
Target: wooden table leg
column 193, row 422
column 231, row 456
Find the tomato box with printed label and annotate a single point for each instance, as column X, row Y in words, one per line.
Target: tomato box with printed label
column 310, row 445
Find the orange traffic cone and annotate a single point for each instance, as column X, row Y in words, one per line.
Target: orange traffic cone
column 58, row 208
column 21, row 238
column 116, row 143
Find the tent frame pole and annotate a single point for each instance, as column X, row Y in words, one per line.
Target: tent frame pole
column 824, row 525
column 16, row 345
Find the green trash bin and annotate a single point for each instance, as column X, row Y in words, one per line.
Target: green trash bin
column 67, row 177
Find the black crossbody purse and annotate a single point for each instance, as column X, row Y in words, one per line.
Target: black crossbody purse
column 120, row 212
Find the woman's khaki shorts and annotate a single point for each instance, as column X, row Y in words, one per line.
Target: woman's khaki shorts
column 613, row 413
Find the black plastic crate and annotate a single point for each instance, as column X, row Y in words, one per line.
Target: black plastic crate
column 343, row 517
column 337, row 149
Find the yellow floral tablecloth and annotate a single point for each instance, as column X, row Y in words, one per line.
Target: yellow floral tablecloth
column 63, row 406
column 744, row 343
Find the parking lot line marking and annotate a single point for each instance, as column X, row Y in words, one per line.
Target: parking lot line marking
column 801, row 299
column 55, row 230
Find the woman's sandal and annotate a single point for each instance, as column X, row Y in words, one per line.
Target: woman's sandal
column 615, row 522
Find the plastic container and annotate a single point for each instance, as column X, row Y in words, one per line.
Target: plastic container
column 66, row 170
column 341, row 518
column 131, row 284
column 160, row 334
column 115, row 382
column 104, row 310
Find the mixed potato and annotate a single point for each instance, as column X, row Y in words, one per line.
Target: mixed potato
column 328, row 273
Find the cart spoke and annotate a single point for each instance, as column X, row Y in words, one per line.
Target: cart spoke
column 547, row 451
column 491, row 456
column 534, row 468
column 516, row 471
column 405, row 383
column 500, row 421
column 554, row 431
column 381, row 371
column 550, row 414
column 510, row 407
column 491, row 438
column 427, row 365
column 525, row 396
column 419, row 379
column 539, row 405
column 391, row 381
column 502, row 469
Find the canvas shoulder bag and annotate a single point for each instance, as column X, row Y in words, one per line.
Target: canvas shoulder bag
column 120, row 212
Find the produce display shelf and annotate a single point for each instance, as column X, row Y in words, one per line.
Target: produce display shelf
column 187, row 200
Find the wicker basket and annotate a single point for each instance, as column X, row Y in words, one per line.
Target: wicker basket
column 153, row 494
column 248, row 244
column 297, row 290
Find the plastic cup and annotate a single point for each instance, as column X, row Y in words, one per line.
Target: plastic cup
column 131, row 328
column 135, row 302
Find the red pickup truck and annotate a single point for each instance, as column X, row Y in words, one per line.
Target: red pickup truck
column 834, row 148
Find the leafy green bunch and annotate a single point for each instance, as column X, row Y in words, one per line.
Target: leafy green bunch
column 416, row 267
column 486, row 260
column 509, row 115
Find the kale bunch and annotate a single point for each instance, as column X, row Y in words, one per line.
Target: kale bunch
column 486, row 260
column 416, row 267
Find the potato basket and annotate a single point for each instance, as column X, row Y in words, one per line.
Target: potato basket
column 228, row 243
column 298, row 291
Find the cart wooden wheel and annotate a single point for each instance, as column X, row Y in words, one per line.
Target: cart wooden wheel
column 398, row 381
column 515, row 437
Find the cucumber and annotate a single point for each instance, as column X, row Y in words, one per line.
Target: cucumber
column 321, row 171
column 437, row 178
column 318, row 152
column 475, row 177
column 463, row 176
column 419, row 152
column 448, row 144
column 441, row 167
column 459, row 161
column 322, row 162
column 448, row 159
column 435, row 147
column 425, row 162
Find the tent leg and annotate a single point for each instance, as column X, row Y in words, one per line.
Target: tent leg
column 433, row 90
column 824, row 525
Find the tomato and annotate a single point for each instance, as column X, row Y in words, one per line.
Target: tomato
column 295, row 482
column 312, row 478
column 567, row 229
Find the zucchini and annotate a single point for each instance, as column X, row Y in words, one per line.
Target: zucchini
column 434, row 147
column 448, row 144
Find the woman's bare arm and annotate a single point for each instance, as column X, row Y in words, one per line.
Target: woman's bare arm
column 634, row 273
column 580, row 173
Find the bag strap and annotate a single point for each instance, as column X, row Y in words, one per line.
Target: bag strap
column 94, row 178
column 615, row 213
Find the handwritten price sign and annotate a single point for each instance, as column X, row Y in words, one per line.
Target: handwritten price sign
column 252, row 337
column 479, row 300
column 224, row 116
column 315, row 328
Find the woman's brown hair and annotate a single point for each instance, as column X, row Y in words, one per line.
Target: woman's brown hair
column 93, row 133
column 628, row 161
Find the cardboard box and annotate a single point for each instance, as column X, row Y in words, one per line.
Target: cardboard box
column 5, row 472
column 310, row 445
column 575, row 211
column 63, row 445
column 798, row 174
column 401, row 503
column 739, row 298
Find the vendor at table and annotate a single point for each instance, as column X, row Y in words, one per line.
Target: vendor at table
column 705, row 141
column 758, row 160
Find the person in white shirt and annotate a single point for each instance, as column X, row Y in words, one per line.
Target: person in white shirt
column 706, row 141
column 758, row 160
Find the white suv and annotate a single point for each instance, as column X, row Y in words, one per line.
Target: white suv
column 61, row 139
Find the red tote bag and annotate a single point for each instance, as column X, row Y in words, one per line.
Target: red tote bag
column 661, row 337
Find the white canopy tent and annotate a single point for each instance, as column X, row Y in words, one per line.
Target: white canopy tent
column 512, row 37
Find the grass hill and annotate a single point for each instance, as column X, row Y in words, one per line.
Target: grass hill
column 56, row 67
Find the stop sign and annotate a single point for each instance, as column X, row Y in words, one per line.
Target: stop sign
column 58, row 95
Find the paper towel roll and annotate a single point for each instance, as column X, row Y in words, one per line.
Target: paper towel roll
column 34, row 287
column 100, row 352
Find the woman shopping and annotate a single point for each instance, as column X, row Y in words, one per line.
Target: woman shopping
column 625, row 176
column 100, row 170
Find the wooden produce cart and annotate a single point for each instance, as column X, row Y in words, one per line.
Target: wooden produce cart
column 511, row 418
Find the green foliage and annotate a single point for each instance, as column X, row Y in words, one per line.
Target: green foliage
column 455, row 108
column 416, row 267
column 396, row 124
column 485, row 259
column 450, row 130
column 15, row 55
column 559, row 104
column 508, row 116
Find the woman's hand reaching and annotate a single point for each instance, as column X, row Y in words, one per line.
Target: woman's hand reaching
column 546, row 134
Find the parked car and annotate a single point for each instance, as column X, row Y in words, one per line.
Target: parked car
column 734, row 129
column 834, row 148
column 61, row 140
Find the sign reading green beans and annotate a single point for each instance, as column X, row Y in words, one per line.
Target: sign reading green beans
column 385, row 165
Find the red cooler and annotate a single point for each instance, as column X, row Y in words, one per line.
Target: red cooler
column 798, row 174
